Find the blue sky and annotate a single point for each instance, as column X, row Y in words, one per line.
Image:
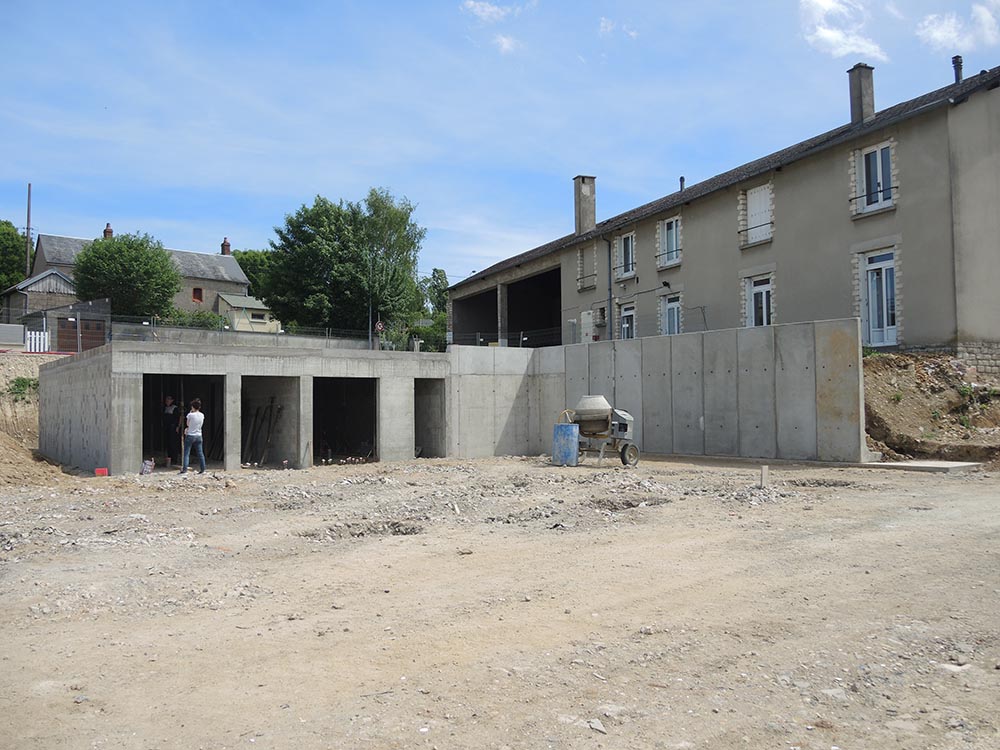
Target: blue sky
column 194, row 121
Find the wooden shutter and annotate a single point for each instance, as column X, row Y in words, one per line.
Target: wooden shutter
column 759, row 214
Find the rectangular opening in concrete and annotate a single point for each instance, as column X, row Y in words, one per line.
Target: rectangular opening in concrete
column 429, row 423
column 159, row 437
column 269, row 416
column 534, row 310
column 474, row 319
column 344, row 418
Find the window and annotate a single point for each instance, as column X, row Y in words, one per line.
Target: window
column 759, row 221
column 758, row 301
column 670, row 242
column 626, row 255
column 670, row 318
column 257, row 316
column 875, row 178
column 628, row 321
column 197, row 295
column 879, row 283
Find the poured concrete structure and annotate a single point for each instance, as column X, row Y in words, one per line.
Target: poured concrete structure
column 792, row 391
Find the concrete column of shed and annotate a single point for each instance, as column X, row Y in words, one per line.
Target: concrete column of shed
column 394, row 402
column 234, row 421
column 126, row 424
column 501, row 315
column 305, row 406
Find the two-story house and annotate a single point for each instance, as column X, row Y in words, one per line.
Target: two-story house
column 891, row 218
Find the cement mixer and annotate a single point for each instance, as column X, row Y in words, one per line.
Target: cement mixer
column 612, row 428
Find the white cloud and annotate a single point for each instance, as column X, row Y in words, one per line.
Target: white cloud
column 630, row 32
column 948, row 32
column 892, row 10
column 607, row 26
column 506, row 44
column 487, row 12
column 836, row 27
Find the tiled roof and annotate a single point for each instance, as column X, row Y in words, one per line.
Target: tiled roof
column 62, row 251
column 952, row 94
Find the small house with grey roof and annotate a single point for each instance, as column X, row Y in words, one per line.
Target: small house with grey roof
column 204, row 276
column 891, row 218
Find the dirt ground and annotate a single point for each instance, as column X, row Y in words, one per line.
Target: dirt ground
column 502, row 603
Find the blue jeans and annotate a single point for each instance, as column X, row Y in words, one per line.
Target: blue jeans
column 195, row 442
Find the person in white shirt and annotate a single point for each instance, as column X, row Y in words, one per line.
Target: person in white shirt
column 192, row 436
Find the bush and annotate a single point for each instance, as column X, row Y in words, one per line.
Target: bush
column 195, row 319
column 23, row 388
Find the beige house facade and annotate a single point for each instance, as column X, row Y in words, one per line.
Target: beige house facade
column 892, row 218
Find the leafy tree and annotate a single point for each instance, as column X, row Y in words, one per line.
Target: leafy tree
column 434, row 336
column 436, row 289
column 331, row 260
column 133, row 270
column 256, row 264
column 12, row 250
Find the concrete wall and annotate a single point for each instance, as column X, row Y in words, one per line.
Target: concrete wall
column 211, row 339
column 792, row 391
column 75, row 410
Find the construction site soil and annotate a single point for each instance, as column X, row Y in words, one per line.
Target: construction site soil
column 500, row 603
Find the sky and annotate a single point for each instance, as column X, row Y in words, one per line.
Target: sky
column 203, row 120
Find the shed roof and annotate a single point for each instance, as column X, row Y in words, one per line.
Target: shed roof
column 243, row 302
column 30, row 282
column 953, row 94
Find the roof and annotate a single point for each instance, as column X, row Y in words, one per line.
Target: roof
column 248, row 303
column 953, row 94
column 62, row 251
column 20, row 287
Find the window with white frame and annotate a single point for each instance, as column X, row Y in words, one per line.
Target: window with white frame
column 759, row 215
column 670, row 242
column 874, row 171
column 626, row 255
column 879, row 285
column 670, row 314
column 758, row 294
column 628, row 322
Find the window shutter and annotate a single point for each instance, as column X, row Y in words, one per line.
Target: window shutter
column 759, row 213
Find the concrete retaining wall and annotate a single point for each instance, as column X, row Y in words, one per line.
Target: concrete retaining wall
column 789, row 391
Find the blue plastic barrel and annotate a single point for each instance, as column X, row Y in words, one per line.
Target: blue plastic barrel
column 565, row 444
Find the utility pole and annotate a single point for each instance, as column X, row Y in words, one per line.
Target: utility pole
column 27, row 239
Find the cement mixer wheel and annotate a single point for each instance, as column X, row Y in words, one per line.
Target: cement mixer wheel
column 630, row 454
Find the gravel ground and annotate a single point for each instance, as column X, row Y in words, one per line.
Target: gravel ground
column 502, row 603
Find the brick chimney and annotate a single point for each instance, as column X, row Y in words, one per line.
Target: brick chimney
column 108, row 231
column 225, row 246
column 956, row 63
column 862, row 93
column 584, row 203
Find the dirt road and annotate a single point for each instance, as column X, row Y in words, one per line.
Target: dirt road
column 502, row 604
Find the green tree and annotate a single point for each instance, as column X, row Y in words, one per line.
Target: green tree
column 12, row 249
column 133, row 270
column 436, row 289
column 332, row 260
column 256, row 264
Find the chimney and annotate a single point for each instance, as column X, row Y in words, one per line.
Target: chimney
column 225, row 246
column 682, row 183
column 584, row 203
column 956, row 63
column 862, row 93
column 108, row 231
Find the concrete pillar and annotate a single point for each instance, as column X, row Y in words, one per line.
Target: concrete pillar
column 126, row 424
column 305, row 406
column 233, row 428
column 394, row 436
column 501, row 315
